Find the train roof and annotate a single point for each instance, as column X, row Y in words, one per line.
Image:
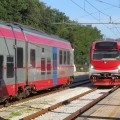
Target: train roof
column 115, row 41
column 32, row 30
column 105, row 41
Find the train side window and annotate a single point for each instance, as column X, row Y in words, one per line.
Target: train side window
column 68, row 57
column 20, row 57
column 65, row 57
column 32, row 57
column 43, row 50
column 10, row 67
column 54, row 61
column 48, row 65
column 42, row 66
column 60, row 57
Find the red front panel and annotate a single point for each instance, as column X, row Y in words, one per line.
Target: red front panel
column 105, row 64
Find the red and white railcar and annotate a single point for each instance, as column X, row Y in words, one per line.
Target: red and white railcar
column 32, row 60
column 105, row 63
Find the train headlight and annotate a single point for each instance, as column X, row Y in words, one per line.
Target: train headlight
column 91, row 66
column 119, row 67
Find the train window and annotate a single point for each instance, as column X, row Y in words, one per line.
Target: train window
column 106, row 45
column 106, row 54
column 43, row 50
column 65, row 57
column 48, row 65
column 42, row 66
column 54, row 61
column 10, row 67
column 60, row 57
column 20, row 57
column 32, row 57
column 68, row 57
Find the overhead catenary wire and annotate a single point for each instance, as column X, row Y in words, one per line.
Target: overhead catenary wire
column 102, row 13
column 108, row 3
column 96, row 12
column 92, row 15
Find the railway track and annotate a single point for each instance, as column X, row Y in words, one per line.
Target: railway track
column 46, row 92
column 66, row 104
column 72, row 107
column 39, row 94
column 15, row 106
column 57, row 109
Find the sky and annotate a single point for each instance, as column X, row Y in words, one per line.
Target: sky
column 98, row 13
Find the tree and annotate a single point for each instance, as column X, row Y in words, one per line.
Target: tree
column 37, row 15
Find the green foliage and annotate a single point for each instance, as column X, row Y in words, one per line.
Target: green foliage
column 37, row 15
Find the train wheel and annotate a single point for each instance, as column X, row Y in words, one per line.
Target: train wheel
column 26, row 93
column 6, row 102
column 11, row 99
column 19, row 96
column 70, row 81
column 33, row 90
column 20, row 93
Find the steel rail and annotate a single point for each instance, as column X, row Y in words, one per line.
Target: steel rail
column 86, row 107
column 40, row 112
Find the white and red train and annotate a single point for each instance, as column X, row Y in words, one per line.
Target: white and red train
column 105, row 63
column 32, row 60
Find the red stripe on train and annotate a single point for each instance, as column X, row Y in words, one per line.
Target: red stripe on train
column 6, row 90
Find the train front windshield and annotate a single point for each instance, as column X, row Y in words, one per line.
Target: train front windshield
column 106, row 55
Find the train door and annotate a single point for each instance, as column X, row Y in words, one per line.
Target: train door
column 32, row 62
column 1, row 74
column 54, row 51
